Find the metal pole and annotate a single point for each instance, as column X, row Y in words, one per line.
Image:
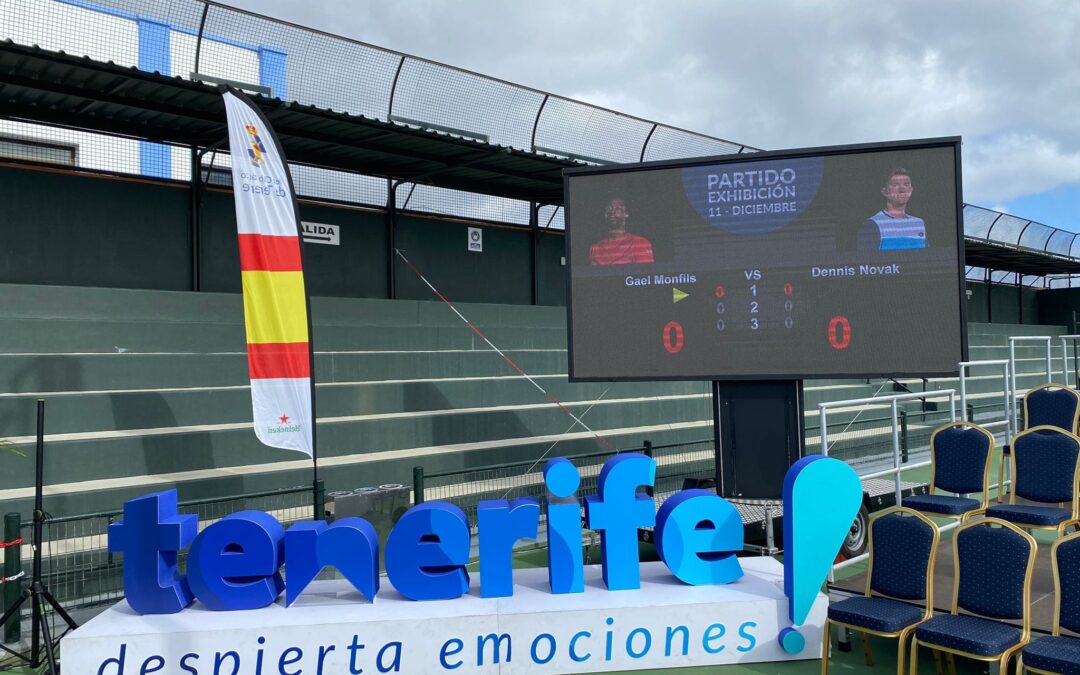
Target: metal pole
column 770, row 536
column 1049, row 363
column 12, row 567
column 952, row 406
column 896, row 451
column 196, row 182
column 824, row 428
column 1007, row 374
column 534, row 245
column 39, row 516
column 320, row 498
column 391, row 239
column 903, row 437
column 418, row 484
column 963, row 390
column 1012, row 380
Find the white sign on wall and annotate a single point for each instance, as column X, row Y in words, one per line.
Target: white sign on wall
column 331, row 629
column 476, row 240
column 322, row 233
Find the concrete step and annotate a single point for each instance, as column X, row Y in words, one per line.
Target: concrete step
column 152, row 409
column 29, row 335
column 101, row 372
column 119, row 304
column 340, row 472
column 102, row 455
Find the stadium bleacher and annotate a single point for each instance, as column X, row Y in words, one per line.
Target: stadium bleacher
column 148, row 388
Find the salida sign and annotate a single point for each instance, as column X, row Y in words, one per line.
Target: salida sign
column 235, row 563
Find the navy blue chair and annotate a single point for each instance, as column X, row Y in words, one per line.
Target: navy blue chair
column 960, row 455
column 1057, row 653
column 903, row 546
column 993, row 562
column 1049, row 405
column 1045, row 469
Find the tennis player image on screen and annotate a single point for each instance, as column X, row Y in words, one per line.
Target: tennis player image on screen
column 620, row 247
column 893, row 228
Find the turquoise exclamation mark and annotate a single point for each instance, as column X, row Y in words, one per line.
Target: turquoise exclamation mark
column 822, row 496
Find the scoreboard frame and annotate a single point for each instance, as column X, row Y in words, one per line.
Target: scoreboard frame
column 953, row 142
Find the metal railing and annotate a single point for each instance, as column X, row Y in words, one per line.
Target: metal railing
column 898, row 464
column 1008, row 382
column 1065, row 369
column 1013, row 339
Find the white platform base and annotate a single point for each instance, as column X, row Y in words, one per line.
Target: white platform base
column 332, row 630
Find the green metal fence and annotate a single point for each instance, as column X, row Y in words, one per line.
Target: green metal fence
column 76, row 563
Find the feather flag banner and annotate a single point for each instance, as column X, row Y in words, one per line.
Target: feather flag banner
column 275, row 300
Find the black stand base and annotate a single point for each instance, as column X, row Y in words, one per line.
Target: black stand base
column 38, row 593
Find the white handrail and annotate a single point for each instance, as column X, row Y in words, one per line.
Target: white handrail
column 1007, row 392
column 893, row 401
column 1013, row 339
column 1065, row 356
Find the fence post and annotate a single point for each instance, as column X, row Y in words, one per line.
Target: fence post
column 12, row 567
column 418, row 484
column 647, row 450
column 903, row 437
column 971, row 412
column 320, row 500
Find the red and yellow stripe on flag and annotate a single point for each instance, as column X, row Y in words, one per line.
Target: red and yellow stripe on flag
column 275, row 300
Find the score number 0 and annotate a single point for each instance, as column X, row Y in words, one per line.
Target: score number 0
column 673, row 337
column 839, row 332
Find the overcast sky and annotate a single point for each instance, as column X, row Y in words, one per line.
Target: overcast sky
column 1004, row 75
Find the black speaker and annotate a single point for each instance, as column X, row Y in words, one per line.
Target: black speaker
column 758, row 428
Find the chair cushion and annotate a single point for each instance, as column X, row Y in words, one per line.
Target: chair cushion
column 1027, row 514
column 1056, row 654
column 880, row 614
column 970, row 634
column 953, row 506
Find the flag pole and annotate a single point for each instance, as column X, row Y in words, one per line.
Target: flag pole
column 318, row 508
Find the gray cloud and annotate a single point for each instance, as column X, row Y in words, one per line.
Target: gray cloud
column 790, row 73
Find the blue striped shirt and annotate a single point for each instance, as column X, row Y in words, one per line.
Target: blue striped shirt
column 886, row 233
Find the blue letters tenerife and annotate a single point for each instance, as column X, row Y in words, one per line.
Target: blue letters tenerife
column 236, row 563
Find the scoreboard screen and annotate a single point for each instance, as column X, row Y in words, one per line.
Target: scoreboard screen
column 832, row 262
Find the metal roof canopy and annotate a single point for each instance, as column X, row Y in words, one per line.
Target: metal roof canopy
column 1026, row 261
column 55, row 88
column 77, row 92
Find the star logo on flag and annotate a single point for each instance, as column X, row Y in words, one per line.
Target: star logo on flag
column 284, row 419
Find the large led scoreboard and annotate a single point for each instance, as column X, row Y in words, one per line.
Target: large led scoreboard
column 831, row 262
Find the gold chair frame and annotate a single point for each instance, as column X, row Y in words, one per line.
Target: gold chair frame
column 1074, row 520
column 1056, row 632
column 964, row 517
column 902, row 635
column 1075, row 427
column 1025, row 629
